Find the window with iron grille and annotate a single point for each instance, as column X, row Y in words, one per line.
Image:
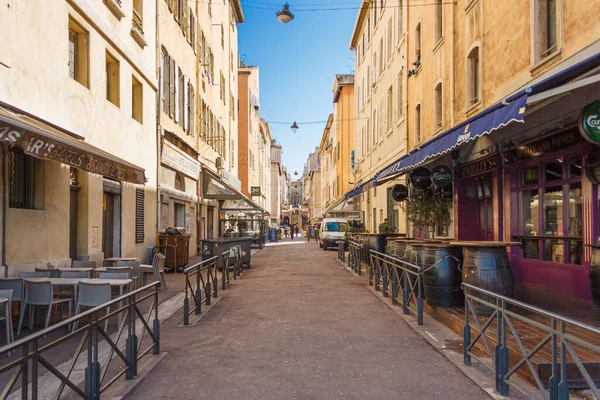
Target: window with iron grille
column 26, row 176
column 139, row 215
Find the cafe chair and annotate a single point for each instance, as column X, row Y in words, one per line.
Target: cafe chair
column 54, row 273
column 39, row 294
column 92, row 295
column 120, row 270
column 135, row 265
column 157, row 269
column 75, row 274
column 5, row 315
column 14, row 284
column 37, row 274
column 83, row 264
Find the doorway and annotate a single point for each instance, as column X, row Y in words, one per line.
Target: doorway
column 111, row 219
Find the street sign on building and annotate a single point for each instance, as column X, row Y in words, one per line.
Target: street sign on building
column 255, row 191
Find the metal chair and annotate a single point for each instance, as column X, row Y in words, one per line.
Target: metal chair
column 157, row 269
column 75, row 274
column 83, row 264
column 39, row 294
column 91, row 295
column 135, row 272
column 5, row 315
column 14, row 284
column 37, row 274
column 113, row 275
column 54, row 273
column 125, row 269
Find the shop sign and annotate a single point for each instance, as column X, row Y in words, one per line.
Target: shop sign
column 478, row 167
column 545, row 145
column 589, row 122
column 400, row 192
column 178, row 160
column 441, row 176
column 420, row 178
column 255, row 191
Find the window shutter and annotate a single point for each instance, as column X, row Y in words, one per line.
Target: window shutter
column 171, row 87
column 192, row 109
column 186, row 105
column 176, row 92
column 170, row 3
column 139, row 215
column 185, row 24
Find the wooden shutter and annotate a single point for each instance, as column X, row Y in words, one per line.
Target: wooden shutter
column 192, row 109
column 139, row 215
column 185, row 23
column 185, row 110
column 176, row 95
column 171, row 87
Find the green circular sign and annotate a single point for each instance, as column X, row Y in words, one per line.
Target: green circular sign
column 589, row 122
column 441, row 176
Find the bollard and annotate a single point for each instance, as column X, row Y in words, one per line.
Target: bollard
column 466, row 334
column 156, row 323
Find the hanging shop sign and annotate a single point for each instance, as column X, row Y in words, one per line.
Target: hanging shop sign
column 400, row 192
column 441, row 176
column 549, row 144
column 420, row 178
column 589, row 122
column 255, row 191
column 478, row 167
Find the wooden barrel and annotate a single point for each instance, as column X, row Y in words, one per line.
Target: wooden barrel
column 442, row 275
column 397, row 248
column 487, row 267
column 595, row 276
column 417, row 253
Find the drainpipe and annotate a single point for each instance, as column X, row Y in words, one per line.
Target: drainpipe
column 452, row 69
column 4, row 212
column 158, row 126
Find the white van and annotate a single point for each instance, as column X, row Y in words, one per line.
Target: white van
column 332, row 230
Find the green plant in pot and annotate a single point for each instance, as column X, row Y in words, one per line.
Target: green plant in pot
column 427, row 211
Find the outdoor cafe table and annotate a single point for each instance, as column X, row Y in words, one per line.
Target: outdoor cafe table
column 115, row 260
column 77, row 269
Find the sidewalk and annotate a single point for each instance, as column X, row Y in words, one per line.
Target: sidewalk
column 300, row 326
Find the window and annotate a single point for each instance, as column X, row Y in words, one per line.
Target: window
column 418, row 124
column 138, row 13
column 26, row 175
column 112, row 79
column 399, row 94
column 137, row 100
column 139, row 215
column 375, row 127
column 179, row 217
column 191, row 107
column 381, row 56
column 546, row 28
column 390, row 103
column 438, row 107
column 473, row 78
column 78, row 53
column 552, row 208
column 390, row 40
column 438, row 27
column 417, row 62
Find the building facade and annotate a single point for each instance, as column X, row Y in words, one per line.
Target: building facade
column 512, row 132
column 71, row 113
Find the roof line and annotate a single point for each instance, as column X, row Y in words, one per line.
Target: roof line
column 364, row 7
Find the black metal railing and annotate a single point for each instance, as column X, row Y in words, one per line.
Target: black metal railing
column 342, row 250
column 404, row 276
column 567, row 340
column 97, row 352
column 231, row 262
column 357, row 253
column 200, row 285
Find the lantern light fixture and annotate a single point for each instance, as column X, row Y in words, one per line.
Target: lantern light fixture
column 284, row 15
column 294, row 127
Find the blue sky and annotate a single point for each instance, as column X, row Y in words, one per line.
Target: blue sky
column 298, row 62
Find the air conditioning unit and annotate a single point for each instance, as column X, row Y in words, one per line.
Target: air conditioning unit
column 219, row 162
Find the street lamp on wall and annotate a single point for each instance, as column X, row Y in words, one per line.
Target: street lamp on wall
column 284, row 15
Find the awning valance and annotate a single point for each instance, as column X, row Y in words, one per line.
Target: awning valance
column 41, row 140
column 476, row 127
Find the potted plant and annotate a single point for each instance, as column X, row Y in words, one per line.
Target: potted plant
column 427, row 212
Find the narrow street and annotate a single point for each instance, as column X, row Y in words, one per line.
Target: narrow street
column 298, row 325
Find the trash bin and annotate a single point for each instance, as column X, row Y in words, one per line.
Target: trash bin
column 216, row 247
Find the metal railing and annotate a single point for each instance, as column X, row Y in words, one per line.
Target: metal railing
column 386, row 269
column 566, row 339
column 357, row 253
column 233, row 258
column 99, row 358
column 200, row 285
column 342, row 250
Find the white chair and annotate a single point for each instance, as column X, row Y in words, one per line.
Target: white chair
column 39, row 294
column 16, row 285
column 157, row 269
column 6, row 316
column 135, row 265
column 83, row 264
column 113, row 275
column 124, row 269
column 91, row 295
column 37, row 274
column 52, row 273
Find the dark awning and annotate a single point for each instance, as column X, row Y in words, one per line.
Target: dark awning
column 214, row 188
column 41, row 140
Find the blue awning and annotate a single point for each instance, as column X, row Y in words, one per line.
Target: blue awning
column 360, row 189
column 473, row 128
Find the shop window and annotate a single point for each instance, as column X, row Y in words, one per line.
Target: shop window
column 553, row 171
column 530, row 175
column 26, row 179
column 179, row 215
column 575, row 168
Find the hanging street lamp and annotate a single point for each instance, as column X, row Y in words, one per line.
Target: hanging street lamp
column 284, row 15
column 294, row 127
